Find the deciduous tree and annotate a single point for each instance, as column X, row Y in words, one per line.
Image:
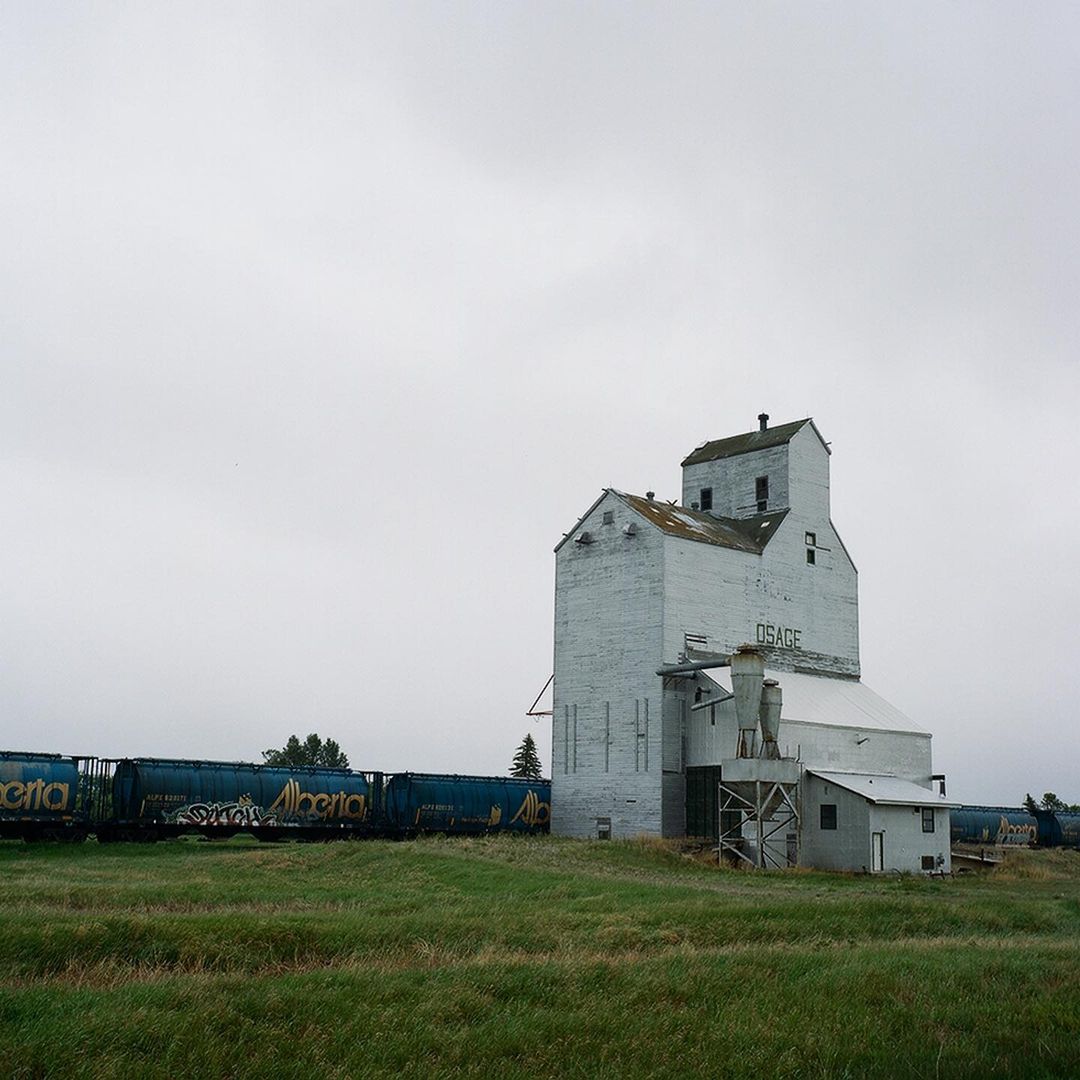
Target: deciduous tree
column 312, row 751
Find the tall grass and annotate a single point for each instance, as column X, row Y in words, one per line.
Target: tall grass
column 525, row 957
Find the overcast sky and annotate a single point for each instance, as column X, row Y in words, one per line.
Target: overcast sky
column 321, row 323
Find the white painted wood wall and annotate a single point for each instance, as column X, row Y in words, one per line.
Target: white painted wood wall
column 623, row 605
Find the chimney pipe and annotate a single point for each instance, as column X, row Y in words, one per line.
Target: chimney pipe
column 763, row 421
column 650, row 495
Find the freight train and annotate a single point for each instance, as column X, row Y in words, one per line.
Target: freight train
column 1013, row 826
column 52, row 797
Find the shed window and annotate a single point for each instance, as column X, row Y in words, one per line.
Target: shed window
column 761, row 492
column 828, row 815
column 928, row 819
column 706, row 498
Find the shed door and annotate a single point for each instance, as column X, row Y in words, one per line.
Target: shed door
column 877, row 853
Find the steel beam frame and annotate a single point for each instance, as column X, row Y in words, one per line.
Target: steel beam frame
column 777, row 800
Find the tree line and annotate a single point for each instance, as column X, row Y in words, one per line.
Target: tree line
column 314, row 751
column 1049, row 801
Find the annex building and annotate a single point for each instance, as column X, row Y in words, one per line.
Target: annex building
column 658, row 730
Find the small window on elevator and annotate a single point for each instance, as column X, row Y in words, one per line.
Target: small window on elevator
column 706, row 498
column 761, row 492
column 811, row 556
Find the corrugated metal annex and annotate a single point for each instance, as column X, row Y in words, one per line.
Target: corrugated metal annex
column 883, row 790
column 818, row 699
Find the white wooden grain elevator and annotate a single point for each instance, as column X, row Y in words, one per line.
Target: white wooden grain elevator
column 652, row 601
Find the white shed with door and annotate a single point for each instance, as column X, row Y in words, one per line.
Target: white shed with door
column 872, row 822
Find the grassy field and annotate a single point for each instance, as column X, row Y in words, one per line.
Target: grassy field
column 509, row 957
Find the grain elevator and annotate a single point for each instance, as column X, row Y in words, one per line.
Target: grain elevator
column 707, row 678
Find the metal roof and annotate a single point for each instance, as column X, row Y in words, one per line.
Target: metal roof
column 742, row 534
column 819, row 699
column 745, row 443
column 883, row 789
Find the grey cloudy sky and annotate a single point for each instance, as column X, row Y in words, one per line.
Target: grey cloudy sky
column 321, row 323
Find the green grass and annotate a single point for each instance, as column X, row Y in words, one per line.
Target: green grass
column 508, row 957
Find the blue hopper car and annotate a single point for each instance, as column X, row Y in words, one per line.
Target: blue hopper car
column 1059, row 828
column 51, row 797
column 154, row 798
column 42, row 797
column 1004, row 826
column 428, row 802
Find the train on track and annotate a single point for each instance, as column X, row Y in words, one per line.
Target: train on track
column 53, row 797
column 1013, row 826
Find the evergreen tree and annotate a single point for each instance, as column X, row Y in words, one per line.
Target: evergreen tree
column 312, row 751
column 526, row 764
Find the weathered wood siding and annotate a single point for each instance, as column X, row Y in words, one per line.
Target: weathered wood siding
column 624, row 605
column 607, row 729
column 733, row 481
column 732, row 597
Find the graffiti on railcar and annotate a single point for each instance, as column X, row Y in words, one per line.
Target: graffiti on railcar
column 532, row 811
column 1012, row 833
column 293, row 806
column 241, row 812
